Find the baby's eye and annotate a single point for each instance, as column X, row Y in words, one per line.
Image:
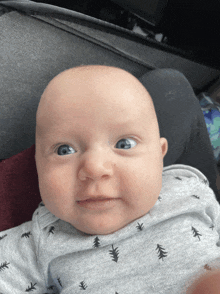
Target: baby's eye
column 65, row 149
column 125, row 144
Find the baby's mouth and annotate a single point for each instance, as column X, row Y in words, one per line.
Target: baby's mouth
column 95, row 198
column 98, row 203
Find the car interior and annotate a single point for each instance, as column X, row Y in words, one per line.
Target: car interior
column 189, row 26
column 41, row 38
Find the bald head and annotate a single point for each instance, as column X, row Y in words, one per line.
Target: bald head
column 93, row 85
column 97, row 134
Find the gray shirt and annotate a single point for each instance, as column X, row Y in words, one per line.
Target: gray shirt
column 162, row 252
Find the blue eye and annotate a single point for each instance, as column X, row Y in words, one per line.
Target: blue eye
column 125, row 144
column 65, row 150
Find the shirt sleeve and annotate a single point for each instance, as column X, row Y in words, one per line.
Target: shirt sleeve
column 19, row 271
column 218, row 229
column 215, row 264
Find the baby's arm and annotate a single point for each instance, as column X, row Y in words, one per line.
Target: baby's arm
column 207, row 284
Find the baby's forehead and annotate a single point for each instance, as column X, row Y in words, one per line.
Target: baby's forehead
column 118, row 94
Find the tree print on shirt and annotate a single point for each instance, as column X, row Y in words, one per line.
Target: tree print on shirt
column 161, row 252
column 140, row 226
column 114, row 252
column 96, row 242
column 196, row 233
column 212, row 227
column 82, row 285
column 2, row 237
column 205, row 182
column 26, row 235
column 3, row 266
column 59, row 281
column 31, row 288
column 207, row 267
column 195, row 196
column 51, row 287
column 51, row 230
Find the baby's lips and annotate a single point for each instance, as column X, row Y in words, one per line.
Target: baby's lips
column 95, row 198
column 98, row 203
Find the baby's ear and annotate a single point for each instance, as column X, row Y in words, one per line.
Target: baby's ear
column 164, row 146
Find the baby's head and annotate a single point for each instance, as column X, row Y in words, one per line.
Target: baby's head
column 97, row 136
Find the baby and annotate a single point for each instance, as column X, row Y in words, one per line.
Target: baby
column 112, row 220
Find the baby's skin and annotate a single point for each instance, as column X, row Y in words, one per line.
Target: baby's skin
column 99, row 154
column 206, row 284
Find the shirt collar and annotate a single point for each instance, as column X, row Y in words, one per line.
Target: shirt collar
column 44, row 216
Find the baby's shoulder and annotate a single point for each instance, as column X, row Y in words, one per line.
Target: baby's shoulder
column 184, row 171
column 180, row 177
column 186, row 185
column 21, row 231
column 16, row 242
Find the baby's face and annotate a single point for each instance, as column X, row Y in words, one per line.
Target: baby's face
column 99, row 154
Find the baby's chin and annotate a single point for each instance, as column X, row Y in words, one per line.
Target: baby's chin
column 104, row 227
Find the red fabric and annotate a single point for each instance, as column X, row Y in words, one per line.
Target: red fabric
column 19, row 191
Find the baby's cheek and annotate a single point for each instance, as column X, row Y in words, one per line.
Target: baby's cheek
column 57, row 191
column 151, row 185
column 57, row 182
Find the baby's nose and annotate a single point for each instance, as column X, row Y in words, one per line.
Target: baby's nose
column 95, row 164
